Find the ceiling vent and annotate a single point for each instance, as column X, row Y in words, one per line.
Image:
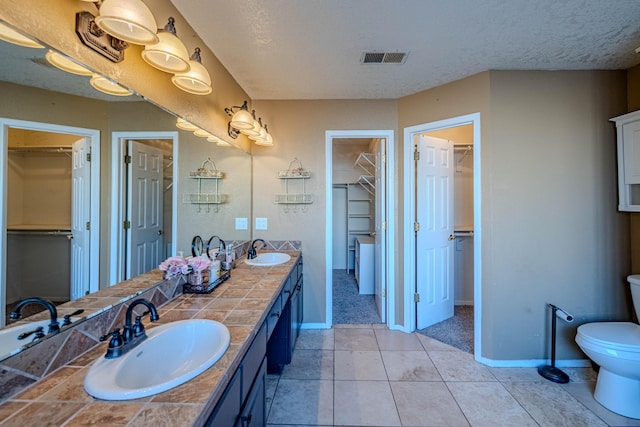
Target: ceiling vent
column 383, row 57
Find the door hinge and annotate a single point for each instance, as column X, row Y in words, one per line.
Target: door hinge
column 87, row 225
column 416, row 155
column 383, row 225
column 416, row 297
column 384, row 293
column 416, row 226
column 126, row 225
column 384, row 159
column 127, row 159
column 88, row 157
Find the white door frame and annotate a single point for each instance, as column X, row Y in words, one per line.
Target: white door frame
column 409, row 234
column 93, row 136
column 118, row 191
column 387, row 135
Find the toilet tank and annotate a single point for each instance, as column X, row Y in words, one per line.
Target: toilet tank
column 634, row 282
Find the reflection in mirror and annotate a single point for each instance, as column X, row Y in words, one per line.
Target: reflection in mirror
column 46, row 114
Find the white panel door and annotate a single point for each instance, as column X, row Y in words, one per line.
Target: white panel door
column 380, row 283
column 80, row 214
column 144, row 209
column 434, row 239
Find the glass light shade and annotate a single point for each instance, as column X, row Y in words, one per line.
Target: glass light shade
column 168, row 55
column 10, row 35
column 185, row 125
column 222, row 143
column 196, row 81
column 242, row 119
column 107, row 86
column 266, row 143
column 202, row 133
column 64, row 63
column 254, row 131
column 128, row 20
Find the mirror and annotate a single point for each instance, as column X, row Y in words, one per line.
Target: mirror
column 36, row 92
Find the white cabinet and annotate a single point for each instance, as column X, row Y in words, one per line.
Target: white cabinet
column 364, row 264
column 359, row 218
column 628, row 137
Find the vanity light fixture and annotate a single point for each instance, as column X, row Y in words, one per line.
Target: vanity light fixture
column 246, row 123
column 197, row 80
column 107, row 86
column 10, row 35
column 169, row 54
column 240, row 118
column 218, row 141
column 185, row 125
column 128, row 20
column 202, row 133
column 65, row 63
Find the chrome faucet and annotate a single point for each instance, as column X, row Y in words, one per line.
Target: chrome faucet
column 251, row 253
column 53, row 313
column 132, row 334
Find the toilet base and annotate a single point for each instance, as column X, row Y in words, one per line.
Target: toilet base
column 618, row 394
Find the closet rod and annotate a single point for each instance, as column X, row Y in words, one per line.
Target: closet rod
column 66, row 233
column 48, row 149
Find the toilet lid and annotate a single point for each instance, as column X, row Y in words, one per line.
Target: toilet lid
column 620, row 335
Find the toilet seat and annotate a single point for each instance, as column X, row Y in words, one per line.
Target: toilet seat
column 622, row 336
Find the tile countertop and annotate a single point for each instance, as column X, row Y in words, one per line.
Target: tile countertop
column 241, row 303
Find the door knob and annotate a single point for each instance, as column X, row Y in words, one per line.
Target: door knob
column 159, row 232
column 452, row 237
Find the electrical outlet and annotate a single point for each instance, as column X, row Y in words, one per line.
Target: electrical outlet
column 242, row 223
column 261, row 223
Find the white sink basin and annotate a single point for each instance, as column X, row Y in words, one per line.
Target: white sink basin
column 171, row 355
column 9, row 342
column 267, row 259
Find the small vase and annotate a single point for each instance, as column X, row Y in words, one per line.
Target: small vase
column 195, row 279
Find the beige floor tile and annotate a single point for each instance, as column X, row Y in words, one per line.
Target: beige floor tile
column 364, row 403
column 426, row 404
column 271, row 384
column 516, row 374
column 583, row 393
column 459, row 366
column 430, row 344
column 355, row 339
column 409, row 366
column 315, row 339
column 353, row 326
column 489, row 404
column 310, row 365
column 397, row 340
column 302, row 402
column 359, row 365
column 550, row 405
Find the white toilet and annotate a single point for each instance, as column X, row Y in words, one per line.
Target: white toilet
column 615, row 347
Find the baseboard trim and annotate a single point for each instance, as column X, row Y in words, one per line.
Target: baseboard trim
column 534, row 363
column 315, row 326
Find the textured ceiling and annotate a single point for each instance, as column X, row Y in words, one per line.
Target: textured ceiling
column 311, row 49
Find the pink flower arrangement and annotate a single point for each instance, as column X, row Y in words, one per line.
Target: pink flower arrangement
column 176, row 265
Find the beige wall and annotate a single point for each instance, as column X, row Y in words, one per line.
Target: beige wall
column 550, row 230
column 633, row 104
column 298, row 129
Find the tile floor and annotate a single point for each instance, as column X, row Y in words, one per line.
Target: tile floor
column 366, row 375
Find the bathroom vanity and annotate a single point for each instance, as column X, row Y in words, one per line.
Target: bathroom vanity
column 261, row 307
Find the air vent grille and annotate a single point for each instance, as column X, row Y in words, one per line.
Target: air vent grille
column 383, row 57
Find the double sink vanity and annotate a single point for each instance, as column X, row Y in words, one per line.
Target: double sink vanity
column 207, row 355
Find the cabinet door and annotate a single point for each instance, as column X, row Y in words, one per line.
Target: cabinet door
column 254, row 411
column 228, row 408
column 631, row 147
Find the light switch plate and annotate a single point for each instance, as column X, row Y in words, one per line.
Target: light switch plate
column 242, row 223
column 261, row 223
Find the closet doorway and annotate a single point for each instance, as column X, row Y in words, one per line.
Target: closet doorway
column 359, row 214
column 443, row 236
column 48, row 247
column 143, row 201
